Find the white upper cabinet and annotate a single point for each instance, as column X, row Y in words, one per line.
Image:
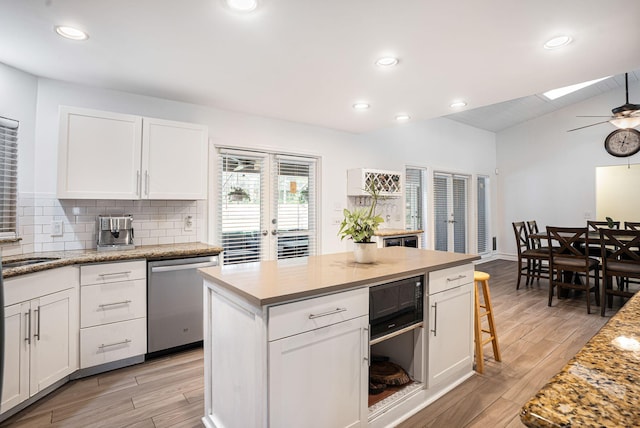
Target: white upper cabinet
column 174, row 159
column 104, row 155
column 99, row 155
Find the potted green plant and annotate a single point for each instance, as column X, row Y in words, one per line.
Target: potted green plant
column 238, row 194
column 360, row 224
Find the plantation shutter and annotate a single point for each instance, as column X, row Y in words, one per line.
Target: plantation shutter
column 8, row 178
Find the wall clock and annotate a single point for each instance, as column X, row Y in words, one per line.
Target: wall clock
column 623, row 142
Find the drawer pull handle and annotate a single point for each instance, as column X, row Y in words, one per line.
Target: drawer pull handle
column 124, row 302
column 124, row 342
column 126, row 272
column 456, row 278
column 324, row 314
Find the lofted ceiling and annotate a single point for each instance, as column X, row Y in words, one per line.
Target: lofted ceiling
column 309, row 61
column 499, row 116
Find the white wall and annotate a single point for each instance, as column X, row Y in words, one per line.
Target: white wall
column 18, row 101
column 440, row 144
column 548, row 174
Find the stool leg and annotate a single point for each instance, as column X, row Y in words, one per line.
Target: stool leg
column 478, row 332
column 492, row 324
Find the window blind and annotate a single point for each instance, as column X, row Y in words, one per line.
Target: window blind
column 414, row 199
column 8, row 178
column 240, row 214
column 483, row 214
column 450, row 212
column 294, row 202
column 460, row 214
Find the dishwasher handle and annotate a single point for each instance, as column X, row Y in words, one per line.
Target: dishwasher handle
column 172, row 268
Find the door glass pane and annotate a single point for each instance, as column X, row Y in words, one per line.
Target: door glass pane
column 295, row 207
column 483, row 215
column 441, row 213
column 240, row 208
column 460, row 214
column 414, row 199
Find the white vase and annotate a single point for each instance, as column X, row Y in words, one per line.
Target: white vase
column 365, row 252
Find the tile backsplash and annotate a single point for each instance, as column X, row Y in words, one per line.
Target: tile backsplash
column 154, row 222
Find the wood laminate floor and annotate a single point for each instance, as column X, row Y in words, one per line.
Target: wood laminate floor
column 536, row 341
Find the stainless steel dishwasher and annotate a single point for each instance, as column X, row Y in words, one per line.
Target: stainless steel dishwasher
column 174, row 303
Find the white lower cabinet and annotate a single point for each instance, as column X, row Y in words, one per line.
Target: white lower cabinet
column 41, row 333
column 112, row 342
column 113, row 312
column 450, row 331
column 319, row 378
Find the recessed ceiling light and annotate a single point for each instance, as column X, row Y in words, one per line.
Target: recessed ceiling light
column 457, row 104
column 71, row 33
column 557, row 42
column 402, row 117
column 361, row 106
column 242, row 5
column 387, row 61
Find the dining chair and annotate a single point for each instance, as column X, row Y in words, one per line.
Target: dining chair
column 595, row 226
column 569, row 261
column 622, row 261
column 528, row 258
column 594, row 250
column 632, row 225
column 538, row 243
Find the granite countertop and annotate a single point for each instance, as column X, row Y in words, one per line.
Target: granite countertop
column 149, row 252
column 278, row 281
column 600, row 386
column 397, row 232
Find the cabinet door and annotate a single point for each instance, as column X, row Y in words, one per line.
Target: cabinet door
column 450, row 334
column 15, row 386
column 99, row 155
column 54, row 338
column 319, row 378
column 174, row 160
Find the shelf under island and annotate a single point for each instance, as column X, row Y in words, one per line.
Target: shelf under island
column 287, row 343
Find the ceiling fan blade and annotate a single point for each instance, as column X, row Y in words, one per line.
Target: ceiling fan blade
column 596, row 116
column 587, row 126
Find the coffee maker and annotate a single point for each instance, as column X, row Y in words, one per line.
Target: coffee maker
column 115, row 232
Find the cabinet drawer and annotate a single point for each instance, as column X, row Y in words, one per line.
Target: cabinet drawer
column 112, row 342
column 445, row 279
column 305, row 315
column 112, row 302
column 103, row 273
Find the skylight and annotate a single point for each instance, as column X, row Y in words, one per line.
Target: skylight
column 561, row 92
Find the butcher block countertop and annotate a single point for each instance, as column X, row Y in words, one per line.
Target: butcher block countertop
column 149, row 252
column 274, row 282
column 600, row 386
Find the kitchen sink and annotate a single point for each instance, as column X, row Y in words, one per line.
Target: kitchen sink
column 27, row 261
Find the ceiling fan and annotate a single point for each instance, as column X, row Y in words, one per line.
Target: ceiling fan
column 625, row 116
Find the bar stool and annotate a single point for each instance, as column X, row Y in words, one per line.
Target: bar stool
column 482, row 279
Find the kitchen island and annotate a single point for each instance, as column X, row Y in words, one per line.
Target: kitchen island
column 287, row 342
column 600, row 386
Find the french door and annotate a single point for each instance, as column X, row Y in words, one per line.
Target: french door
column 266, row 206
column 450, row 212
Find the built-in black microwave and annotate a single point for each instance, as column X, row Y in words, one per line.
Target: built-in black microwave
column 395, row 305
